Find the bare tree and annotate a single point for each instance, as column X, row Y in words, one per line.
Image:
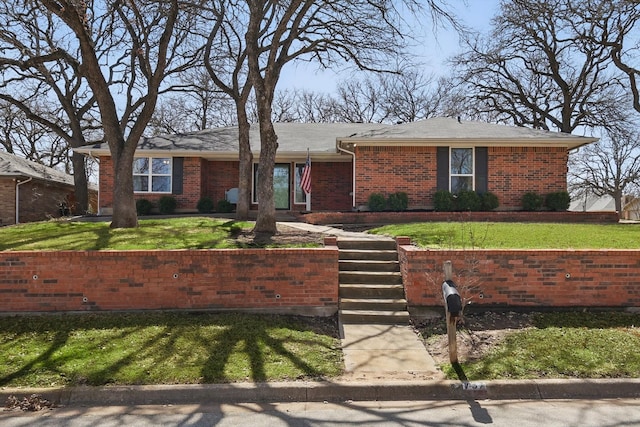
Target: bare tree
column 126, row 51
column 535, row 70
column 610, row 166
column 42, row 82
column 612, row 24
column 365, row 32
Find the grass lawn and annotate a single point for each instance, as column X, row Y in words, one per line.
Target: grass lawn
column 505, row 235
column 175, row 233
column 164, row 348
column 563, row 345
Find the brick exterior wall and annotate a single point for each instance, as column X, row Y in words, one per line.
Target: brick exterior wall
column 275, row 280
column 524, row 278
column 193, row 168
column 513, row 171
column 7, row 201
column 219, row 177
column 39, row 200
column 331, row 186
column 387, row 170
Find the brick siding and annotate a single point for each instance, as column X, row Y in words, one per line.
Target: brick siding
column 39, row 200
column 273, row 280
column 513, row 171
column 524, row 278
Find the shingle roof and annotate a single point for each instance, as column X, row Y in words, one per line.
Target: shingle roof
column 14, row 166
column 320, row 138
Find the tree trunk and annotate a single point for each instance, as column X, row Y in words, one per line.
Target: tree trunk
column 124, row 205
column 81, row 186
column 266, row 221
column 246, row 167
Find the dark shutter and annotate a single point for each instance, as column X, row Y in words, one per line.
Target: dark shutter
column 176, row 183
column 482, row 170
column 442, row 158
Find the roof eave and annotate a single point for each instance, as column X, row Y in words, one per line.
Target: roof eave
column 569, row 143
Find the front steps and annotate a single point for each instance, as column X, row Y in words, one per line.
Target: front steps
column 371, row 289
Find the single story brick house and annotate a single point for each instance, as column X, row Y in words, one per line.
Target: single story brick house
column 350, row 161
column 30, row 191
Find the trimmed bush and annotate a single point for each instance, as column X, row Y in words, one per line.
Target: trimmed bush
column 467, row 200
column 489, row 201
column 376, row 202
column 443, row 201
column 558, row 201
column 143, row 207
column 167, row 205
column 205, row 205
column 224, row 206
column 532, row 201
column 398, row 201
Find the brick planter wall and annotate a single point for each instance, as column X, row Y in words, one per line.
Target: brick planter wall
column 524, row 278
column 275, row 280
column 404, row 217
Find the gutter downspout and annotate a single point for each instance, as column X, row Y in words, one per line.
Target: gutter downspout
column 353, row 173
column 18, row 184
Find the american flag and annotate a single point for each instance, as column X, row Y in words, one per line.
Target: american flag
column 305, row 181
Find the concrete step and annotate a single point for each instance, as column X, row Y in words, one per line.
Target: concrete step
column 381, row 304
column 366, row 244
column 374, row 317
column 369, row 266
column 369, row 291
column 373, row 277
column 368, row 254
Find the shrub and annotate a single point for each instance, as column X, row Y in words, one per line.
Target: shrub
column 398, row 201
column 167, row 205
column 489, row 201
column 143, row 207
column 224, row 206
column 558, row 201
column 467, row 200
column 532, row 201
column 443, row 201
column 376, row 202
column 205, row 205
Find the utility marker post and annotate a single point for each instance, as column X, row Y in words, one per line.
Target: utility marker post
column 452, row 307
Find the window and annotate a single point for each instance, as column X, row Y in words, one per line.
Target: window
column 300, row 197
column 461, row 169
column 152, row 175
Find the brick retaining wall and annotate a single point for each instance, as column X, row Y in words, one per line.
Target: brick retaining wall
column 524, row 278
column 415, row 216
column 275, row 280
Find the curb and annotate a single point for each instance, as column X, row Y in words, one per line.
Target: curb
column 332, row 392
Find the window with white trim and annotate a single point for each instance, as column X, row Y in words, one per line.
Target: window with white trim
column 461, row 169
column 152, row 175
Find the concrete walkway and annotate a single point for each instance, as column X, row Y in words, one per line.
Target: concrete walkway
column 378, row 352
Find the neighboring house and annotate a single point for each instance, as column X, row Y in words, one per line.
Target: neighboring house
column 352, row 161
column 631, row 208
column 593, row 203
column 32, row 192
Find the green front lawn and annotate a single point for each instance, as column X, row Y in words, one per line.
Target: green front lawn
column 562, row 345
column 162, row 348
column 506, row 235
column 175, row 233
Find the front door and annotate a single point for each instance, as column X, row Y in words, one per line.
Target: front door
column 281, row 183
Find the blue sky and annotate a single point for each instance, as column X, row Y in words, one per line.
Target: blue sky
column 432, row 49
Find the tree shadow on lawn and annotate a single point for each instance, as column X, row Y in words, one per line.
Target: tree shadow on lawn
column 157, row 348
